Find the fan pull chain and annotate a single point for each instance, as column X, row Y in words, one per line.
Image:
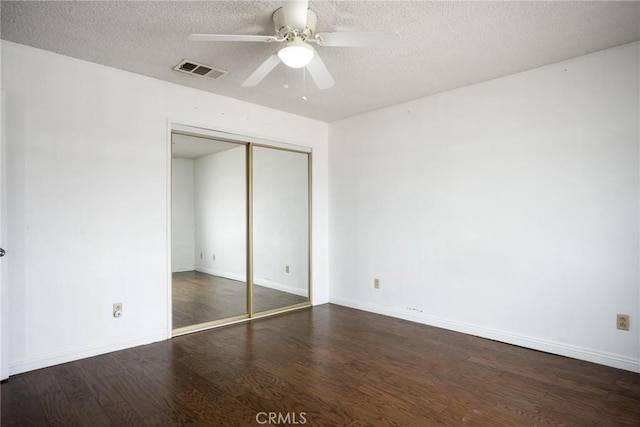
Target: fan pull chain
column 304, row 84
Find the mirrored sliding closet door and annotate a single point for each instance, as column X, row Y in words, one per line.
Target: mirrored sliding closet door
column 209, row 231
column 280, row 228
column 240, row 230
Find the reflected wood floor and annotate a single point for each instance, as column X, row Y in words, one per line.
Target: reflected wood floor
column 200, row 297
column 337, row 365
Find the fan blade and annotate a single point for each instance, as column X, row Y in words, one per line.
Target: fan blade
column 230, row 38
column 258, row 75
column 347, row 39
column 319, row 73
column 295, row 13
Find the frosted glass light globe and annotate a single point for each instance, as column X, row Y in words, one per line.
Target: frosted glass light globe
column 296, row 54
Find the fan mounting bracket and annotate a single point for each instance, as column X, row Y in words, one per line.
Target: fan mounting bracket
column 286, row 32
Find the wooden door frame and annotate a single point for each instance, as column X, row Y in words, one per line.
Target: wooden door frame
column 4, row 285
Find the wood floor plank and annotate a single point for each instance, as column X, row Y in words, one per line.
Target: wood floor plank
column 338, row 366
column 198, row 404
column 58, row 409
column 120, row 413
column 21, row 404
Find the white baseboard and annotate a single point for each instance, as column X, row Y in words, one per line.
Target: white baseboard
column 258, row 281
column 562, row 349
column 182, row 269
column 280, row 287
column 226, row 275
column 81, row 353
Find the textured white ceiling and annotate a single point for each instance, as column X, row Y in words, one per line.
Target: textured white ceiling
column 444, row 45
column 192, row 147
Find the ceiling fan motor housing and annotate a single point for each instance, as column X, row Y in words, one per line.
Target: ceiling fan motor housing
column 289, row 33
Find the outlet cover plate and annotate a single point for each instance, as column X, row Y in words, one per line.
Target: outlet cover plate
column 117, row 309
column 623, row 322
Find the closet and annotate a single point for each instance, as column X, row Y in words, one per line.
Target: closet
column 240, row 228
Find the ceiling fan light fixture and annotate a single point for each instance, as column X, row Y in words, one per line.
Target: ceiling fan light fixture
column 296, row 54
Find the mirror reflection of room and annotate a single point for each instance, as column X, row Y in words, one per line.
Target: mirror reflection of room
column 280, row 228
column 209, row 230
column 209, row 215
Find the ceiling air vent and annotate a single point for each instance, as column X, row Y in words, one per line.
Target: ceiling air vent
column 191, row 67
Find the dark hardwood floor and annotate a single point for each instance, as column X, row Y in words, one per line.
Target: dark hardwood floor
column 200, row 297
column 336, row 365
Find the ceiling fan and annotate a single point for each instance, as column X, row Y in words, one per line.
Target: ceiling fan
column 295, row 26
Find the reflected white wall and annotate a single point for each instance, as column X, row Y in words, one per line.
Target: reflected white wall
column 182, row 215
column 220, row 214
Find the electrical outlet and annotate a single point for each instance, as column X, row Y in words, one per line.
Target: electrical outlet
column 200, row 255
column 117, row 309
column 286, row 269
column 623, row 322
column 376, row 283
column 214, row 257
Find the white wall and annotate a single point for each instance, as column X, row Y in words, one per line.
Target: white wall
column 182, row 215
column 508, row 209
column 221, row 213
column 88, row 158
